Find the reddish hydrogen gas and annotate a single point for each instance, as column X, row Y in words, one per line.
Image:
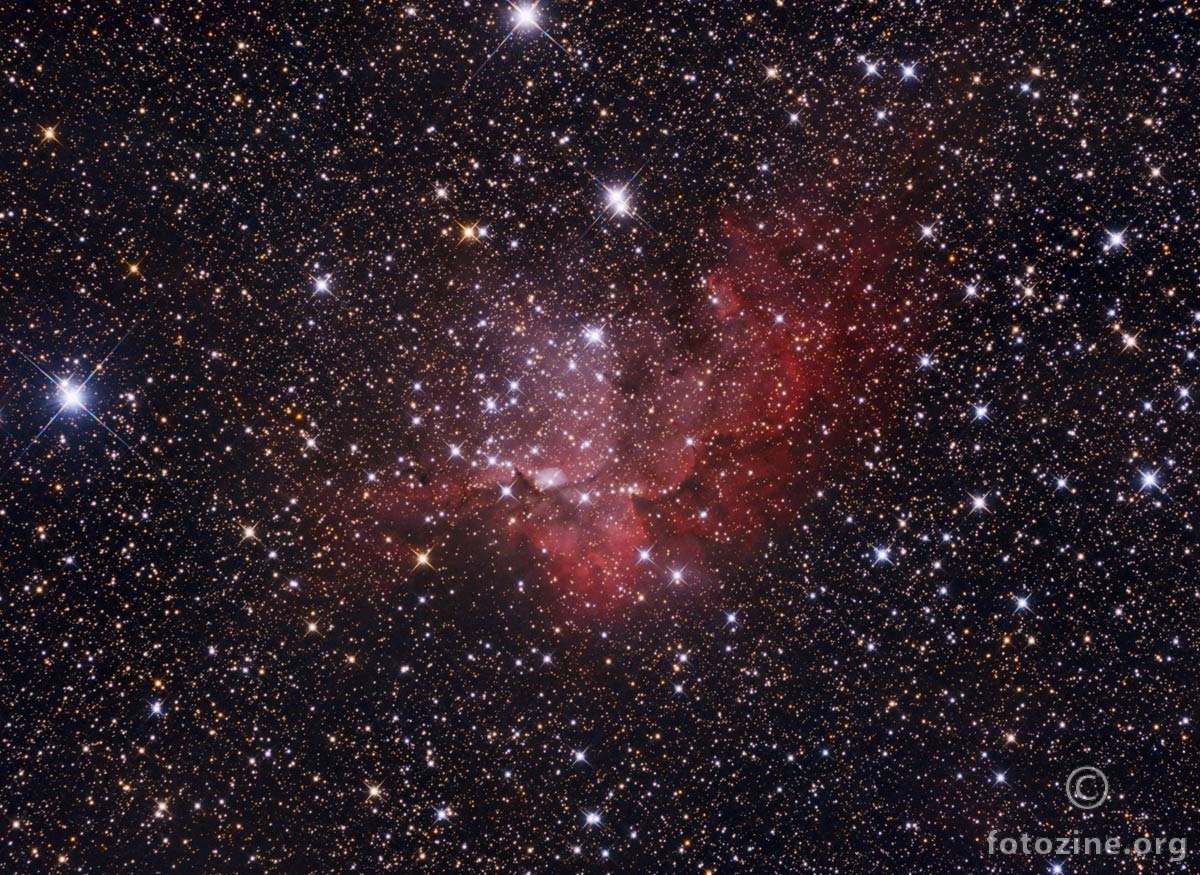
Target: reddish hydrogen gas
column 656, row 445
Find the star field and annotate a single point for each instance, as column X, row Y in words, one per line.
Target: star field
column 595, row 437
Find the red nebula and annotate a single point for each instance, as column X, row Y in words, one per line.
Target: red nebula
column 694, row 436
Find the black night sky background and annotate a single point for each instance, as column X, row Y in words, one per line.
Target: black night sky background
column 596, row 437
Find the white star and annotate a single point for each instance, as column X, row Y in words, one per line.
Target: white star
column 527, row 16
column 321, row 285
column 71, row 395
column 618, row 199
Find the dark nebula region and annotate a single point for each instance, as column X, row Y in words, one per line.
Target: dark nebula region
column 577, row 436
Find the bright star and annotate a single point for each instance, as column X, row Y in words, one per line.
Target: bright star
column 471, row 233
column 526, row 16
column 618, row 200
column 525, row 19
column 72, row 395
